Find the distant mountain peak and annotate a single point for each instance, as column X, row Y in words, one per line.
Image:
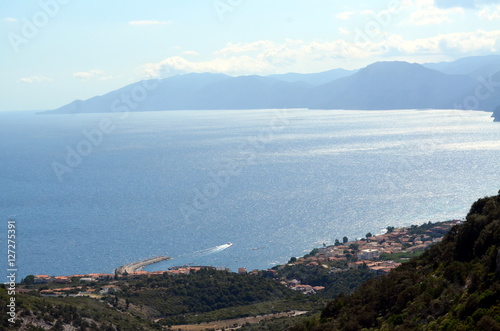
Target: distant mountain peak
column 381, row 85
column 391, row 66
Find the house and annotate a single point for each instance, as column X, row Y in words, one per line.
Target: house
column 62, row 279
column 42, row 279
column 63, row 291
column 383, row 267
column 110, row 289
column 306, row 289
column 101, row 276
column 369, row 254
column 254, row 272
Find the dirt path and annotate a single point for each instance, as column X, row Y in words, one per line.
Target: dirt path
column 234, row 324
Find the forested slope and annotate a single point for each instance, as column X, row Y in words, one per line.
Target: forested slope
column 452, row 286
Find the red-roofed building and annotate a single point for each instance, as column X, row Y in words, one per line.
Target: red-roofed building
column 62, row 279
column 42, row 279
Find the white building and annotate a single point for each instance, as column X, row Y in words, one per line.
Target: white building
column 369, row 254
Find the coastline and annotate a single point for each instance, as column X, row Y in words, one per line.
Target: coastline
column 319, row 275
column 348, row 254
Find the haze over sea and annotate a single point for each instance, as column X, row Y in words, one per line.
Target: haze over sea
column 275, row 183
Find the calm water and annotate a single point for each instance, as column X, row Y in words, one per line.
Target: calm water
column 274, row 183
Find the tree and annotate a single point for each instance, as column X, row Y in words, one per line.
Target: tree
column 369, row 235
column 354, row 247
column 337, row 242
column 390, row 229
column 29, row 280
column 345, row 239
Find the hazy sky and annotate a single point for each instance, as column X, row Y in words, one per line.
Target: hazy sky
column 56, row 51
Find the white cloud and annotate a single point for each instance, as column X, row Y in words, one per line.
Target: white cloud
column 489, row 13
column 261, row 57
column 34, row 79
column 9, row 19
column 345, row 15
column 230, row 65
column 460, row 42
column 267, row 57
column 425, row 12
column 151, row 22
column 276, row 54
column 86, row 75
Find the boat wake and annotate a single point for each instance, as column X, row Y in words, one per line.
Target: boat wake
column 208, row 251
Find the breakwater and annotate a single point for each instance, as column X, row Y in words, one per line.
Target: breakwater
column 139, row 265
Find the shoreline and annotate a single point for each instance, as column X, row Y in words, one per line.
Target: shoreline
column 136, row 268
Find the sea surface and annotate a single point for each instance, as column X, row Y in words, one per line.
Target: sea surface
column 91, row 192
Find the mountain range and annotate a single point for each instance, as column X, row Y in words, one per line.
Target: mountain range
column 471, row 83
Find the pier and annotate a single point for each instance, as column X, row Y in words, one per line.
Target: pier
column 139, row 265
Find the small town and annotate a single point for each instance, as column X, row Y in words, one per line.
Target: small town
column 378, row 253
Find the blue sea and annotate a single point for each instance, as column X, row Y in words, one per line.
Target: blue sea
column 91, row 192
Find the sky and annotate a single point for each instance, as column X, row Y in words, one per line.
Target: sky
column 55, row 51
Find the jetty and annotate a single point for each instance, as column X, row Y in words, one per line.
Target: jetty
column 139, row 265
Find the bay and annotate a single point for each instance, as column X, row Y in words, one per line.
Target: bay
column 91, row 192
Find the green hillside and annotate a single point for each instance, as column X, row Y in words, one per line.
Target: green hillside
column 150, row 303
column 453, row 286
column 81, row 313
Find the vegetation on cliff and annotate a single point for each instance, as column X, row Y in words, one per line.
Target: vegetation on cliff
column 68, row 313
column 452, row 286
column 177, row 299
